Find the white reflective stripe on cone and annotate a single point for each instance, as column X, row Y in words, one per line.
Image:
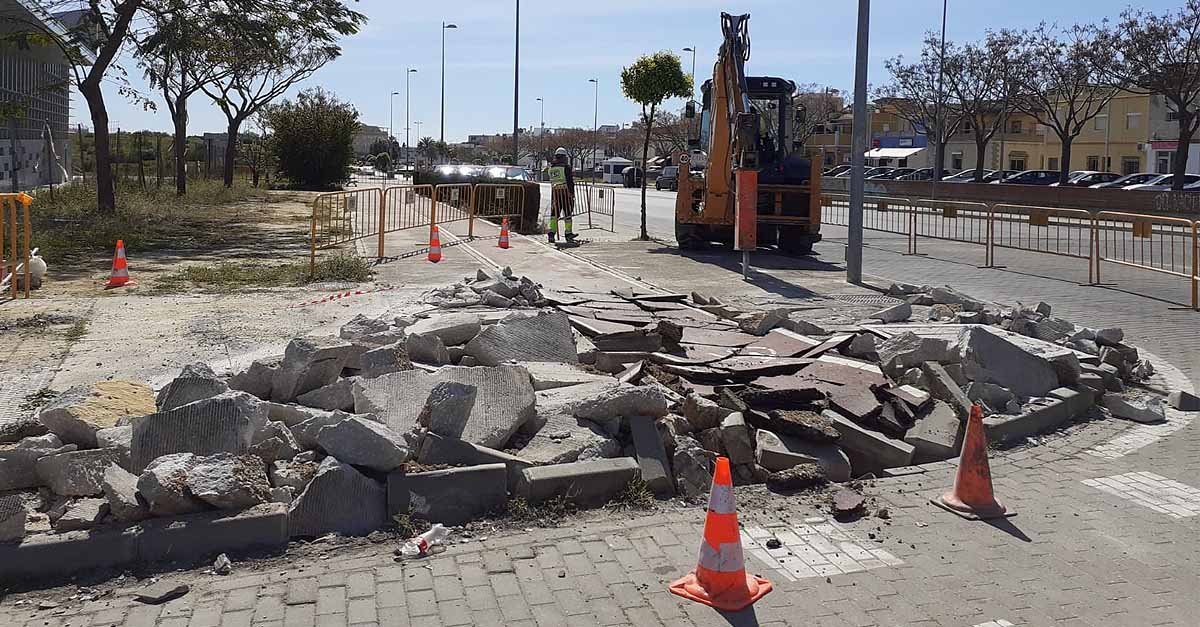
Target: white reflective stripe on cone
column 120, row 274
column 727, row 559
column 720, row 501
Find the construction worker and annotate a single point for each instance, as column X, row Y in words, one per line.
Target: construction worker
column 562, row 195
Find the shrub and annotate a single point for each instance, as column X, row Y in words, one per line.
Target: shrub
column 314, row 139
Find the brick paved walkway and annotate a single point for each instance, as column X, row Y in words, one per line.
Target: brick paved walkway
column 1105, row 533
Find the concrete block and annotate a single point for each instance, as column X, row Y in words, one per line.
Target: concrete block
column 427, row 349
column 937, row 434
column 735, row 436
column 257, row 378
column 197, row 381
column 120, row 488
column 547, row 375
column 221, row 424
column 651, row 455
column 308, row 364
column 436, row 449
column 885, row 451
column 77, row 414
column 448, row 408
column 18, row 467
column 451, row 497
column 545, row 337
column 1043, row 415
column 195, row 536
column 76, row 473
column 504, row 402
column 453, row 329
column 364, row 443
column 82, row 514
column 338, row 499
column 12, row 518
column 1183, row 401
column 608, row 405
column 559, row 437
column 779, row 452
column 1145, row 412
column 589, row 483
column 703, row 413
column 1079, row 399
column 383, row 360
column 615, row 363
column 337, row 395
column 986, row 357
column 227, row 481
column 942, row 386
column 163, row 486
column 44, row 557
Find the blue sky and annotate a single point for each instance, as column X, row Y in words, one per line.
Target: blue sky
column 564, row 43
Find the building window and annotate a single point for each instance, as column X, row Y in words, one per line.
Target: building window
column 1172, row 116
column 956, row 160
column 1016, row 163
column 1133, row 121
column 1093, row 163
column 1131, row 165
column 1102, row 123
column 1014, row 127
column 1051, row 163
column 1164, row 161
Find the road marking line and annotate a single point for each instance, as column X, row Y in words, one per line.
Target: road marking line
column 1155, row 492
column 996, row 623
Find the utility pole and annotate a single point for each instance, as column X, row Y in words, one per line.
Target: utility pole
column 939, row 151
column 854, row 245
column 516, row 83
column 391, row 117
column 596, row 123
column 408, row 74
column 692, row 49
column 445, row 26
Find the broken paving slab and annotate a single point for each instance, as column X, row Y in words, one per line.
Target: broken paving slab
column 708, row 337
column 221, row 424
column 12, row 518
column 873, row 445
column 651, row 455
column 777, row 452
column 448, row 408
column 781, row 343
column 943, row 387
column 545, row 337
column 562, row 437
column 986, row 357
column 590, row 327
column 308, row 364
column 195, row 382
column 339, row 499
column 454, row 496
column 745, row 368
column 453, row 329
column 616, row 363
column 638, row 340
column 504, row 402
column 77, row 414
column 587, row 483
column 547, row 375
column 937, row 434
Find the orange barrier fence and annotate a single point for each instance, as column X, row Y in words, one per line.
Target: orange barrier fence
column 17, row 231
column 1164, row 245
column 495, row 202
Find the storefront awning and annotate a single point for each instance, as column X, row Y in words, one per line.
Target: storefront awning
column 892, row 153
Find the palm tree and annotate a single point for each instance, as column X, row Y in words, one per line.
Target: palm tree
column 426, row 146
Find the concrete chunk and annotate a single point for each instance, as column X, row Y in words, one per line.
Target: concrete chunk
column 197, row 381
column 120, row 438
column 163, row 485
column 547, row 375
column 453, row 329
column 227, row 481
column 337, row 395
column 883, row 450
column 451, row 497
column 308, row 364
column 12, row 518
column 587, row 483
column 448, row 408
column 735, row 436
column 504, row 401
column 221, row 424
column 779, row 452
column 560, row 437
column 937, row 434
column 703, row 413
column 1039, row 416
column 18, row 467
column 257, row 378
column 120, row 488
column 380, row 361
column 339, row 499
column 76, row 473
column 651, row 455
column 908, row 350
column 436, row 449
column 545, row 337
column 77, row 414
column 361, row 326
column 895, row 313
column 986, row 357
column 364, row 443
column 943, row 387
column 607, row 406
column 274, row 442
column 1183, row 401
column 1137, row 411
column 427, row 349
column 82, row 514
column 693, row 467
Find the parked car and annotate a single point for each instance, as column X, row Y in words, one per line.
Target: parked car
column 896, row 174
column 878, row 172
column 1164, row 183
column 632, row 176
column 868, row 173
column 966, row 176
column 669, row 179
column 924, row 174
column 1088, row 179
column 1032, row 177
column 836, row 170
column 508, row 172
column 1131, row 179
column 1000, row 175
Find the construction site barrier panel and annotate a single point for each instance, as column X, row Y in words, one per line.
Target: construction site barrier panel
column 951, row 220
column 1046, row 230
column 1155, row 243
column 452, row 203
column 497, row 201
column 17, row 231
column 404, row 207
column 593, row 204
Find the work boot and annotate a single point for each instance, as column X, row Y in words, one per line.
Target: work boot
column 570, row 238
column 550, row 237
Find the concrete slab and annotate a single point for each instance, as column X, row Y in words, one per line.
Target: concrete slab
column 586, row 484
column 547, row 375
column 545, row 337
column 76, row 473
column 780, row 452
column 874, row 445
column 1045, row 414
column 221, row 424
column 451, row 497
column 453, row 328
column 338, row 499
column 651, row 455
column 937, row 435
column 309, row 363
column 438, row 450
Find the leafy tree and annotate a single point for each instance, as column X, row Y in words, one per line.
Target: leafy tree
column 384, row 145
column 383, row 162
column 1061, row 81
column 428, row 147
column 981, row 78
column 648, row 82
column 314, row 138
column 913, row 94
column 1159, row 54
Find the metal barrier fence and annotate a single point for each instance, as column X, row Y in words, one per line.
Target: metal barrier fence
column 594, row 203
column 15, row 227
column 348, row 216
column 1164, row 245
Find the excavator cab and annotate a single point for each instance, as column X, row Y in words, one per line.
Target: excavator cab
column 748, row 122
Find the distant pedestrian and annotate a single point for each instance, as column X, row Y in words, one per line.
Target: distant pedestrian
column 562, row 195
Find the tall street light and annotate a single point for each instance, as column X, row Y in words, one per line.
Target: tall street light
column 391, row 117
column 407, row 145
column 595, row 122
column 854, row 243
column 939, row 153
column 693, row 51
column 445, row 26
column 516, row 82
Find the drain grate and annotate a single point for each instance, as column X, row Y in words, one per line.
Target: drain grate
column 866, row 299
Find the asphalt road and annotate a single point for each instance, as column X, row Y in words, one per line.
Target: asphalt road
column 660, row 210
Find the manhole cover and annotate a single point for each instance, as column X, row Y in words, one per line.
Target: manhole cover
column 867, row 299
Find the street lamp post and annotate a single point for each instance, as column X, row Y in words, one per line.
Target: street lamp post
column 391, row 118
column 939, row 152
column 693, row 51
column 595, row 122
column 445, row 26
column 854, row 242
column 542, row 125
column 407, row 150
column 516, row 81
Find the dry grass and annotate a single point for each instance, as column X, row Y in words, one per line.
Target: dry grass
column 235, row 276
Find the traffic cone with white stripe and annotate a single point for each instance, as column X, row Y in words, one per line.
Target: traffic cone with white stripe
column 120, row 269
column 504, row 233
column 720, row 579
column 435, row 245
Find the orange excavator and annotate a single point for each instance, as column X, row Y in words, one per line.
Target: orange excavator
column 746, row 126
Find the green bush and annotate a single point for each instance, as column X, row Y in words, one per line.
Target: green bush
column 383, row 162
column 314, row 139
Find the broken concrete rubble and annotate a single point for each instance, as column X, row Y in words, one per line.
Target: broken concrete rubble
column 587, row 483
column 937, row 434
column 77, row 414
column 76, row 473
column 361, row 326
column 257, row 378
column 1183, row 401
column 545, row 337
column 453, row 496
column 438, row 450
column 703, row 413
column 779, row 452
column 693, row 467
column 1143, row 412
column 736, row 439
column 337, row 395
column 909, row 350
column 120, row 488
column 221, row 424
column 308, row 364
column 651, row 456
column 164, row 487
column 453, row 329
column 760, row 322
column 896, row 313
column 943, row 387
column 547, row 375
column 364, row 443
column 799, row 477
column 803, row 424
column 292, row 474
column 227, row 481
column 274, row 441
column 986, row 357
column 608, row 405
column 197, row 381
column 338, row 499
column 376, row 362
column 448, row 408
column 427, row 349
column 82, row 514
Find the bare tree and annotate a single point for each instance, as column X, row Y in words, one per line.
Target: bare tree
column 914, row 95
column 626, row 143
column 979, row 76
column 576, row 141
column 670, row 133
column 1159, row 54
column 1060, row 75
column 822, row 105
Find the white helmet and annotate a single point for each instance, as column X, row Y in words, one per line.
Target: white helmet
column 561, row 151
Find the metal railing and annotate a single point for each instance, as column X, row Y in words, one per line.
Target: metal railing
column 596, row 204
column 495, row 201
column 17, row 231
column 1164, row 245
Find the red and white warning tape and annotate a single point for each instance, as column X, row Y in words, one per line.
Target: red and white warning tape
column 343, row 295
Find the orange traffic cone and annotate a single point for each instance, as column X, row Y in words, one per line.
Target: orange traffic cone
column 435, row 245
column 972, row 496
column 719, row 579
column 120, row 269
column 504, row 233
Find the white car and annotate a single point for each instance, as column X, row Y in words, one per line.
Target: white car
column 1164, row 183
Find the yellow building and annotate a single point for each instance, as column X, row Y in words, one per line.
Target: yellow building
column 1019, row 145
column 1115, row 141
